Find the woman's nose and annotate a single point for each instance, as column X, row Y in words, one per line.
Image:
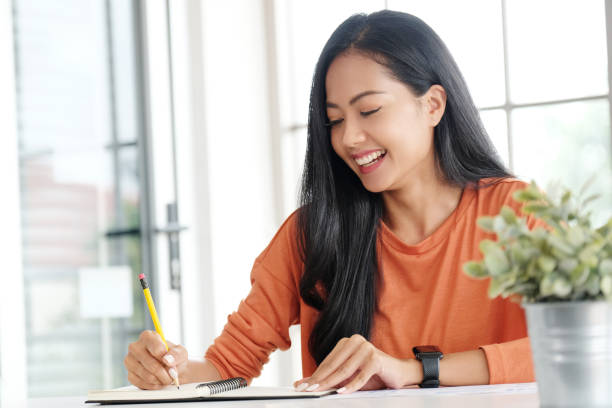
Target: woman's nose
column 353, row 134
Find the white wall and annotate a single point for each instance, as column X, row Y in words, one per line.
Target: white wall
column 237, row 130
column 227, row 154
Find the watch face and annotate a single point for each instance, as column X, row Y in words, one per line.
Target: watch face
column 427, row 349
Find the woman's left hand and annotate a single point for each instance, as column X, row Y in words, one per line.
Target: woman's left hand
column 355, row 364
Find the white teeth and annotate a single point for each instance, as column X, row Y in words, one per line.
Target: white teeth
column 362, row 161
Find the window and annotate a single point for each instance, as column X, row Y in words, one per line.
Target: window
column 536, row 70
column 79, row 132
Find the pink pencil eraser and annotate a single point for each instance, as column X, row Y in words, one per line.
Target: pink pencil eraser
column 141, row 276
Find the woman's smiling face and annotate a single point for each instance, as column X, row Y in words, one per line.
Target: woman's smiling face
column 381, row 130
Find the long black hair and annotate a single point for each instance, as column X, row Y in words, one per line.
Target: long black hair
column 339, row 220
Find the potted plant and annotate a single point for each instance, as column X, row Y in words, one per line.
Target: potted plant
column 562, row 275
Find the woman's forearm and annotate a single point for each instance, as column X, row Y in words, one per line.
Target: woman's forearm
column 200, row 371
column 464, row 368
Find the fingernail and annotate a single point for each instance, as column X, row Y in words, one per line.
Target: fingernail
column 341, row 390
column 312, row 387
column 169, row 358
column 173, row 373
column 301, row 386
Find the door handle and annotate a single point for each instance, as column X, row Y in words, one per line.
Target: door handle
column 172, row 231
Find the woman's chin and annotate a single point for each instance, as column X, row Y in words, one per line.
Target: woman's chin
column 374, row 187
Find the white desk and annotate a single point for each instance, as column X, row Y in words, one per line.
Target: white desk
column 491, row 396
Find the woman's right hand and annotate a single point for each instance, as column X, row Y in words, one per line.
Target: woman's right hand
column 150, row 366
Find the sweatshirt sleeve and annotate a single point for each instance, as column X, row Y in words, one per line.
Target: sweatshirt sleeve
column 510, row 362
column 261, row 323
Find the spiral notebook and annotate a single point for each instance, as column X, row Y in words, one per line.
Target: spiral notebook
column 232, row 389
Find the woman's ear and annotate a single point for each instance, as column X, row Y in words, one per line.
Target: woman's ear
column 435, row 104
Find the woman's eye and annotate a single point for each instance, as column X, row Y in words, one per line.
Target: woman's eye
column 370, row 112
column 333, row 123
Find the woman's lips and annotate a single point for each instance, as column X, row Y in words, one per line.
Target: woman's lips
column 370, row 167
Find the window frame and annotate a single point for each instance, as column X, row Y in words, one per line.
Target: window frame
column 508, row 107
column 13, row 378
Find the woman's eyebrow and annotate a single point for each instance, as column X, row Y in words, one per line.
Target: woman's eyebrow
column 355, row 98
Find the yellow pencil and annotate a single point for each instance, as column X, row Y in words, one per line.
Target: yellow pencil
column 156, row 323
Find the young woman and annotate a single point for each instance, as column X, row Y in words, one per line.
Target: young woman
column 398, row 168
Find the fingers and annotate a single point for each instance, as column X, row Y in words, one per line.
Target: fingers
column 143, row 375
column 363, row 355
column 176, row 355
column 347, row 358
column 307, row 384
column 150, row 364
column 343, row 349
column 365, row 373
column 145, row 363
column 140, row 383
column 153, row 343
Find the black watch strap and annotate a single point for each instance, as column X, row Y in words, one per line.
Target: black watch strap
column 430, row 358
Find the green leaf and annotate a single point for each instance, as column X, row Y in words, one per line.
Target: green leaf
column 561, row 287
column 592, row 284
column 587, row 184
column 510, row 233
column 526, row 195
column 605, row 267
column 535, row 208
column 589, row 255
column 579, row 275
column 499, row 225
column 568, row 264
column 496, row 261
column 538, row 237
column 590, row 198
column 475, row 269
column 508, row 215
column 495, row 288
column 606, row 286
column 487, row 245
column 525, row 288
column 547, row 263
column 518, row 254
column 486, row 223
column 576, row 236
column 606, row 228
column 556, row 242
column 546, row 285
column 532, row 271
column 566, row 196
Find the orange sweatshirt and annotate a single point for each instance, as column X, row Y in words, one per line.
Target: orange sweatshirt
column 424, row 297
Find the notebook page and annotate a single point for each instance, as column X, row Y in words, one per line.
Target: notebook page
column 133, row 393
column 261, row 392
column 190, row 391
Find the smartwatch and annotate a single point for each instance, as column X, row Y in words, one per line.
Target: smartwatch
column 430, row 357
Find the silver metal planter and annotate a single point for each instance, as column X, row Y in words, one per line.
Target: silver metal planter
column 571, row 343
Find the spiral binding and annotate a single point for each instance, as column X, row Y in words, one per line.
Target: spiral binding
column 217, row 387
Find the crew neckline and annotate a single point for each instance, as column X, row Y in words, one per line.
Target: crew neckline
column 438, row 236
